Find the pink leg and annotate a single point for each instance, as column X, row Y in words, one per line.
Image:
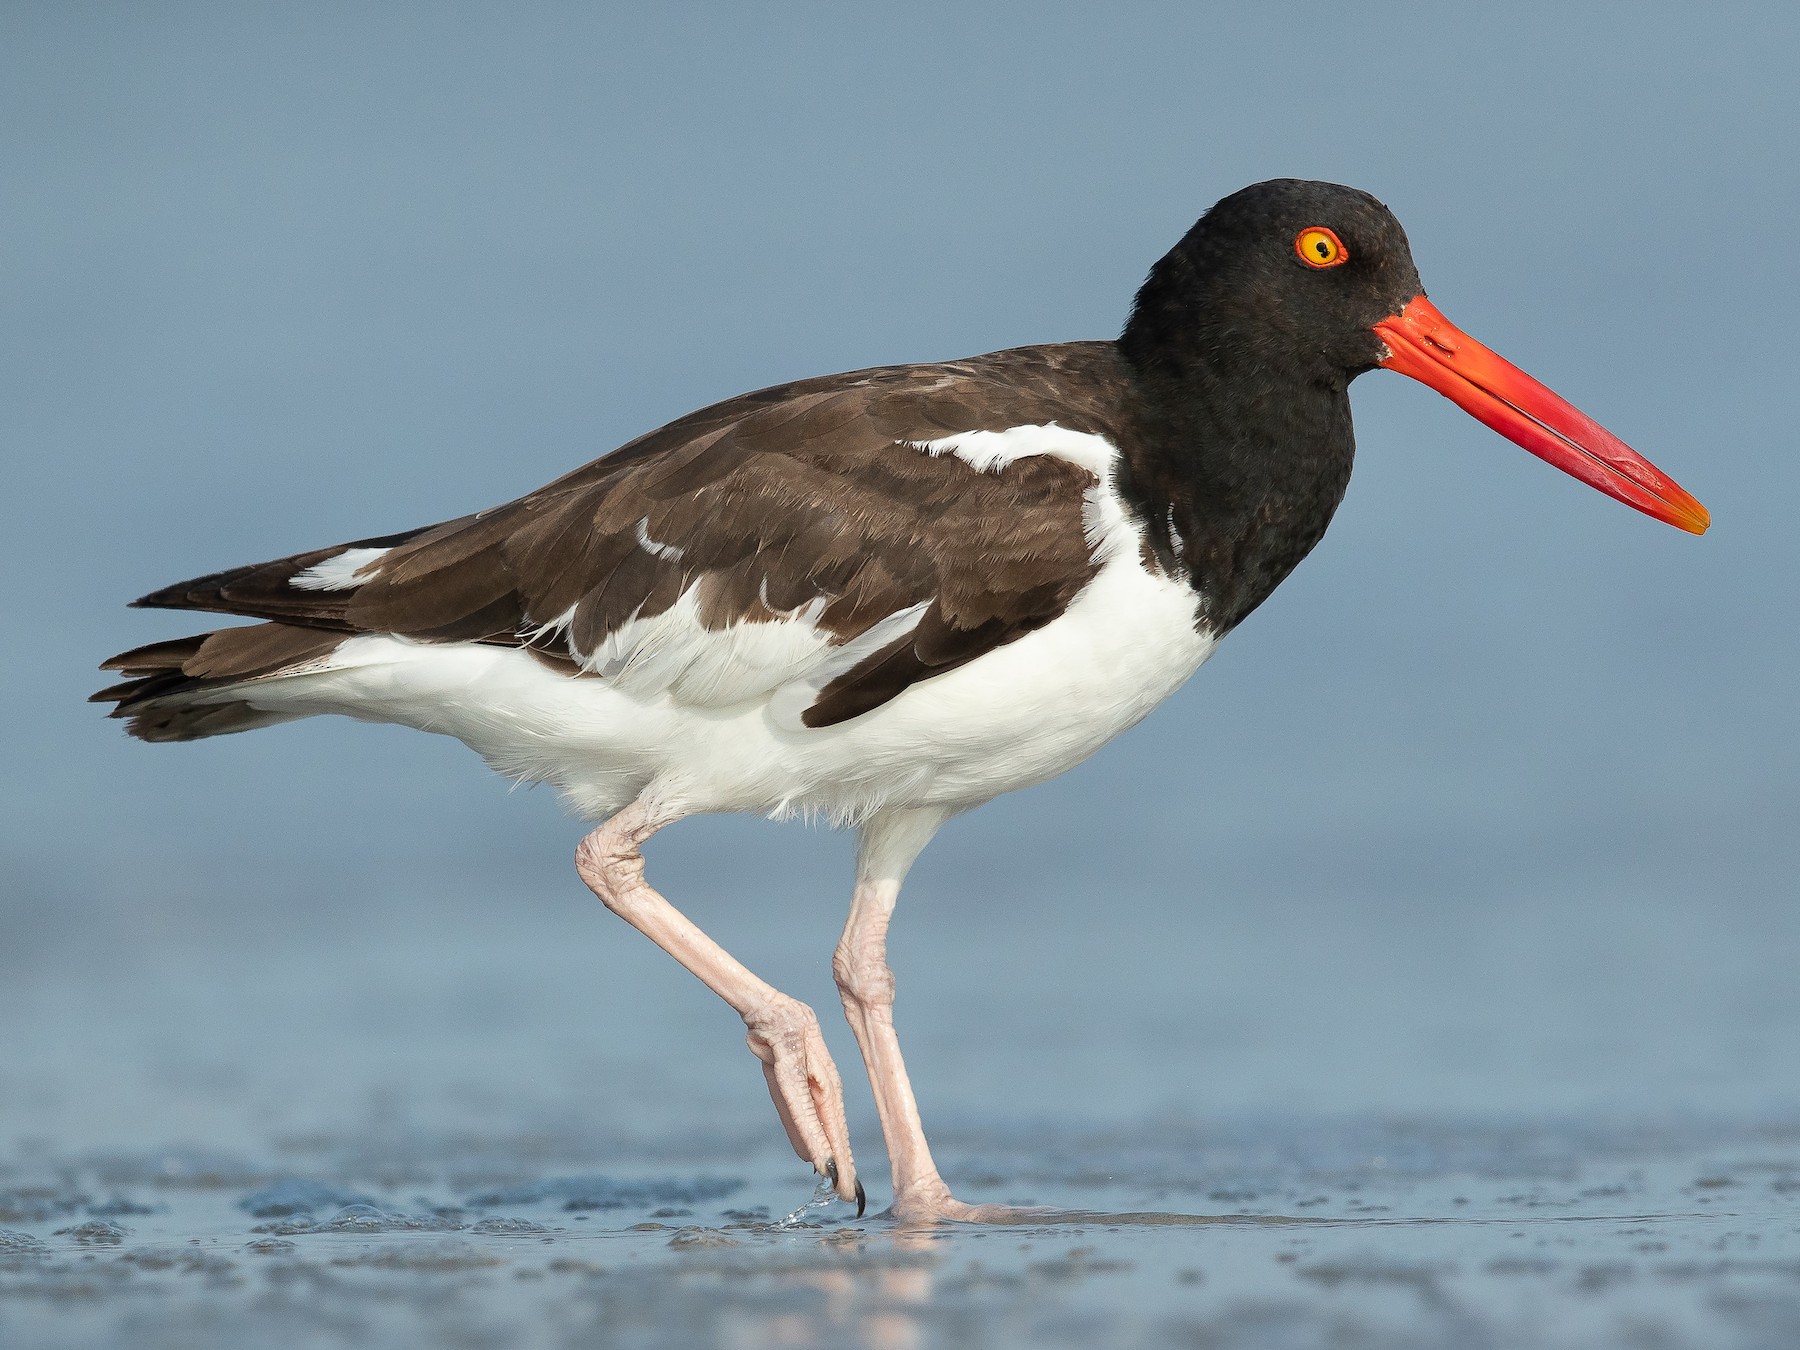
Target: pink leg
column 783, row 1032
column 889, row 844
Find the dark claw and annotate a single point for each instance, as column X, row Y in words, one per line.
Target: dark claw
column 862, row 1199
column 831, row 1172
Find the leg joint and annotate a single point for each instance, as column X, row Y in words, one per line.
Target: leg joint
column 611, row 865
column 779, row 1027
column 862, row 973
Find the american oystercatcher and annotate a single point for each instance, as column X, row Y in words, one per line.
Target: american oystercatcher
column 881, row 597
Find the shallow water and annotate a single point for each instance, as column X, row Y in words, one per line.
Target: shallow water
column 476, row 1116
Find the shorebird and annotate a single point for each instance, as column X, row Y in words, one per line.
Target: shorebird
column 882, row 597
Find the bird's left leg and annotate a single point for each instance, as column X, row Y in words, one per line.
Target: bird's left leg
column 782, row 1032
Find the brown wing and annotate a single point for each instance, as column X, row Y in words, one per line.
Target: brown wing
column 805, row 495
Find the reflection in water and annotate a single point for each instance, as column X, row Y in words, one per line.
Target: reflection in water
column 1007, row 1216
column 872, row 1305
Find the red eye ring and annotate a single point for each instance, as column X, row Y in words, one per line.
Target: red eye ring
column 1319, row 247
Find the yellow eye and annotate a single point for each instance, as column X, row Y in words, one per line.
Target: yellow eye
column 1320, row 247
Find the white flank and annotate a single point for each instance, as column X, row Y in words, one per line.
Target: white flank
column 339, row 573
column 673, row 655
column 789, row 703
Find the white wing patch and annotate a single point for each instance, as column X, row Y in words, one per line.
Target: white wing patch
column 342, row 573
column 992, row 451
column 1108, row 528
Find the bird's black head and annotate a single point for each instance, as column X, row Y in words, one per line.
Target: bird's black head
column 1245, row 335
column 1289, row 276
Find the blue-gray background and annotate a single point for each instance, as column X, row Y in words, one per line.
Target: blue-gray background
column 1490, row 810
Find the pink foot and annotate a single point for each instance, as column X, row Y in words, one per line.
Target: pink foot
column 931, row 1202
column 808, row 1095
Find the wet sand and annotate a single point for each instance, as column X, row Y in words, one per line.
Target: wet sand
column 1265, row 1233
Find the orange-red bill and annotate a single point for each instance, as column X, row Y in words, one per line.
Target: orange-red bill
column 1424, row 344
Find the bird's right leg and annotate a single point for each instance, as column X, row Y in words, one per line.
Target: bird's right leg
column 783, row 1032
column 890, row 842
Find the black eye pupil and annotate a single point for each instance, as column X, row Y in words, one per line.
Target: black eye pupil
column 1324, row 248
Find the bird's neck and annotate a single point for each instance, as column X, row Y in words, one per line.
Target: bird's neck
column 1238, row 461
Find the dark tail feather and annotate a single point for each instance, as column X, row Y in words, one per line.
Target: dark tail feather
column 179, row 690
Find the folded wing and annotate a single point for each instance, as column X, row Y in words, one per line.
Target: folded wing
column 799, row 544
